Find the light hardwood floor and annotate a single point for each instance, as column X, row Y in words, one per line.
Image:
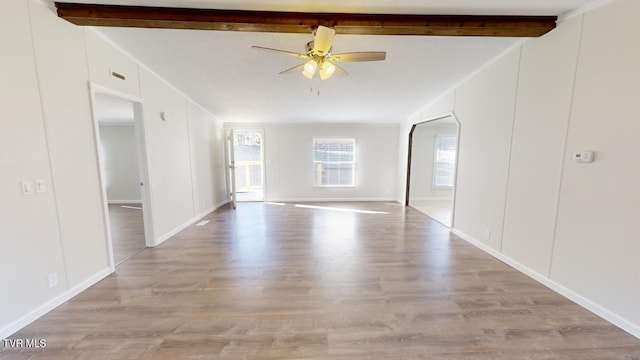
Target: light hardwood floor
column 127, row 230
column 439, row 210
column 272, row 281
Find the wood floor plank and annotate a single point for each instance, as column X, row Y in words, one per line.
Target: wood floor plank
column 127, row 230
column 284, row 282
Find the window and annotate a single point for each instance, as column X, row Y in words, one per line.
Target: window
column 333, row 162
column 444, row 162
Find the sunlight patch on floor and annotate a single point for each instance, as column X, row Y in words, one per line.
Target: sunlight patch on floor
column 341, row 209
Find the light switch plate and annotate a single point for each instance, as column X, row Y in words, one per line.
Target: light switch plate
column 27, row 187
column 584, row 156
column 40, row 186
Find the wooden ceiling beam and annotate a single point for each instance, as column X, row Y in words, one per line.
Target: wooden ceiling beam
column 297, row 22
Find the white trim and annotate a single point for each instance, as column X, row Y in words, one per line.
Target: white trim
column 601, row 311
column 424, row 198
column 114, row 93
column 453, row 115
column 102, row 180
column 116, row 123
column 314, row 162
column 212, row 209
column 118, row 202
column 41, row 310
column 143, row 164
column 188, row 223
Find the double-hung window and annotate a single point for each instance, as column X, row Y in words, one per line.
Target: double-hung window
column 444, row 162
column 334, row 162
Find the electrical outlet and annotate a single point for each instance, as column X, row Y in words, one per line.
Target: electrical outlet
column 487, row 235
column 53, row 279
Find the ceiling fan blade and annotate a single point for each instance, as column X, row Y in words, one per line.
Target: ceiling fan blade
column 323, row 40
column 281, row 52
column 340, row 71
column 359, row 56
column 290, row 70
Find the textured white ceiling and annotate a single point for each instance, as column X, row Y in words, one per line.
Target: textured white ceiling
column 237, row 84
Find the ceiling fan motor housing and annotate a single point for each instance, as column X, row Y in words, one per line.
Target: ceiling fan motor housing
column 309, row 49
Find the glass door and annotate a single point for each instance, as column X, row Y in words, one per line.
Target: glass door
column 232, row 168
column 248, row 165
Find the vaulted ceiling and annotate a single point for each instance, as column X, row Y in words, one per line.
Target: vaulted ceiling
column 220, row 71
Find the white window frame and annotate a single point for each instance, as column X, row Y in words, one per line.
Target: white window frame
column 315, row 163
column 434, row 182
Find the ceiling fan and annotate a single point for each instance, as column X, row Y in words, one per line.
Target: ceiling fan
column 319, row 57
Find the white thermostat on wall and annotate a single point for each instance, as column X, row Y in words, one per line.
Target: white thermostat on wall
column 584, row 156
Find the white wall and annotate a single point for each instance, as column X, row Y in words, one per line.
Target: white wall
column 568, row 225
column 47, row 133
column 168, row 156
column 422, row 160
column 539, row 133
column 207, row 160
column 288, row 151
column 29, row 252
column 486, row 120
column 597, row 245
column 120, row 161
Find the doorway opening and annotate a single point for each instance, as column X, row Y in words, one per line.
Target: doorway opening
column 248, row 165
column 119, row 138
column 431, row 168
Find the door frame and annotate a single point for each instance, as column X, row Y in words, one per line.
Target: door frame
column 143, row 167
column 231, row 168
column 455, row 176
column 260, row 130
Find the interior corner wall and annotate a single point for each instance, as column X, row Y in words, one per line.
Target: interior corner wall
column 168, row 154
column 288, row 152
column 207, row 160
column 185, row 156
column 521, row 197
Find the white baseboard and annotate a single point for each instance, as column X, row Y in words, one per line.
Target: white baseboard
column 41, row 310
column 118, row 202
column 603, row 312
column 430, row 199
column 188, row 223
column 212, row 209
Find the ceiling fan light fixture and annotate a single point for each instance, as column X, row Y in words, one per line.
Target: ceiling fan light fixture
column 310, row 69
column 327, row 69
